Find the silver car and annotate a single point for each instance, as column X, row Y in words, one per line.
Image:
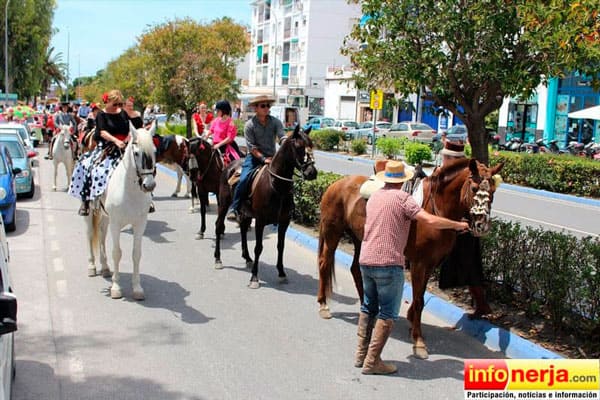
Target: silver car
column 416, row 131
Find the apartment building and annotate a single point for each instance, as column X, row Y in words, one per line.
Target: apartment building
column 292, row 44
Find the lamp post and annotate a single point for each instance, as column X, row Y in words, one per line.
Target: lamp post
column 6, row 52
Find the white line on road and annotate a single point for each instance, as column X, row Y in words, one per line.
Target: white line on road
column 57, row 262
column 562, row 227
column 73, row 362
column 51, row 230
column 50, row 218
column 61, row 288
column 54, row 246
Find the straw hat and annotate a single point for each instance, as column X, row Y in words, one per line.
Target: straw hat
column 453, row 149
column 261, row 99
column 395, row 172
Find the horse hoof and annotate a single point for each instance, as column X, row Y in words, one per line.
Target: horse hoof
column 249, row 264
column 420, row 352
column 139, row 295
column 116, row 293
column 324, row 312
column 254, row 285
column 199, row 236
column 174, row 195
column 218, row 265
column 91, row 271
column 106, row 273
column 191, row 210
column 54, row 188
column 283, row 280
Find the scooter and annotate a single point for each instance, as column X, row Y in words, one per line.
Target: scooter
column 592, row 150
column 514, row 144
column 575, row 148
column 551, row 147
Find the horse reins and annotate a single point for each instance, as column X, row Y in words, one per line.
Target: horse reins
column 300, row 166
column 143, row 172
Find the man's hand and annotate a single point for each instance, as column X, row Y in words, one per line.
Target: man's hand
column 268, row 160
column 462, row 226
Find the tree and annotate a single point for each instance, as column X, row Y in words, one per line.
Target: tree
column 185, row 62
column 53, row 70
column 467, row 55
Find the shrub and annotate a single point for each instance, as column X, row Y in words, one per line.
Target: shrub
column 390, row 147
column 174, row 129
column 416, row 153
column 358, row 146
column 239, row 124
column 307, row 197
column 326, row 139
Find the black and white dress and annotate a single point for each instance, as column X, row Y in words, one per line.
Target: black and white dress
column 92, row 172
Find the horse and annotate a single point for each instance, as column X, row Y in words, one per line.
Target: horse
column 463, row 188
column 62, row 153
column 125, row 202
column 206, row 167
column 174, row 150
column 271, row 200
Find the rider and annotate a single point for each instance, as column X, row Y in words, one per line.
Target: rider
column 260, row 132
column 223, row 132
column 463, row 266
column 63, row 117
column 91, row 173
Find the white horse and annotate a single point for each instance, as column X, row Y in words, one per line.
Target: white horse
column 125, row 202
column 62, row 153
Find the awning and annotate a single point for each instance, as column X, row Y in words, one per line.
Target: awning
column 586, row 113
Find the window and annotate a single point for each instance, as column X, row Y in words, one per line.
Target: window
column 259, row 54
column 261, row 13
column 286, row 51
column 294, row 51
column 259, row 36
column 265, row 76
column 285, row 73
column 265, row 56
column 287, row 27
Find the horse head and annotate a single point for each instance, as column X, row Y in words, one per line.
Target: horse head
column 477, row 194
column 302, row 149
column 65, row 131
column 140, row 150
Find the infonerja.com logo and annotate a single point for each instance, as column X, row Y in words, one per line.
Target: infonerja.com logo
column 484, row 378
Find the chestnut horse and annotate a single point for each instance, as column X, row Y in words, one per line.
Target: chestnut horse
column 463, row 188
column 206, row 167
column 174, row 150
column 271, row 201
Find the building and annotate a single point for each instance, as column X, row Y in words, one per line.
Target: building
column 292, row 44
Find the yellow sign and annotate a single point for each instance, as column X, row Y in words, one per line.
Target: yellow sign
column 376, row 99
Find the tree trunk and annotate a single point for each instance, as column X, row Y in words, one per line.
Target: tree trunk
column 188, row 123
column 478, row 138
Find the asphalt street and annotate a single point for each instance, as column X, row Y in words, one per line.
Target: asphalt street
column 200, row 333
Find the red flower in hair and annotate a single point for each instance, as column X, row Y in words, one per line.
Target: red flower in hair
column 105, row 98
column 131, row 99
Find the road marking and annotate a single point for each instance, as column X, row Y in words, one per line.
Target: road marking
column 58, row 264
column 51, row 230
column 76, row 369
column 534, row 196
column 61, row 288
column 562, row 227
column 73, row 361
column 54, row 246
column 50, row 218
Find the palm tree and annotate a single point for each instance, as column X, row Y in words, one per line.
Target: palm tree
column 53, row 70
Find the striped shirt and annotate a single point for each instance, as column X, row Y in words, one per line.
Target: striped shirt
column 389, row 214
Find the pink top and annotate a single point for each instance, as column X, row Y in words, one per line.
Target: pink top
column 389, row 213
column 221, row 130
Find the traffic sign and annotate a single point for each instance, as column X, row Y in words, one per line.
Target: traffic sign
column 376, row 99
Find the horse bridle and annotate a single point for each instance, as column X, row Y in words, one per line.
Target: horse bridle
column 212, row 156
column 141, row 173
column 300, row 166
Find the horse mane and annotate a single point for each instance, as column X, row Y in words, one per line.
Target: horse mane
column 448, row 172
column 144, row 141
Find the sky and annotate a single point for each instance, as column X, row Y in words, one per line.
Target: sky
column 91, row 33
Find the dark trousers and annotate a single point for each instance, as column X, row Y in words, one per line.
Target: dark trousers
column 249, row 164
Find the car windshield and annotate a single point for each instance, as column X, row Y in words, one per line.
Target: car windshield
column 21, row 131
column 350, row 124
column 2, row 167
column 457, row 129
column 384, row 125
column 327, row 121
column 14, row 148
column 422, row 127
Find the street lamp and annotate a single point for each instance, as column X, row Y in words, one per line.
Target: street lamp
column 6, row 52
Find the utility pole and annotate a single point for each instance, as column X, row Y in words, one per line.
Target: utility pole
column 6, row 52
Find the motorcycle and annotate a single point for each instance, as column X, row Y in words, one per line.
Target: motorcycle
column 592, row 150
column 575, row 148
column 551, row 147
column 514, row 144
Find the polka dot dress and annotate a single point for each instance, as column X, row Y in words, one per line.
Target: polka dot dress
column 91, row 174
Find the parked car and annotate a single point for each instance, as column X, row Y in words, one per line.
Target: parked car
column 416, row 131
column 22, row 130
column 457, row 133
column 319, row 122
column 345, row 125
column 20, row 159
column 8, row 321
column 365, row 130
column 8, row 190
column 35, row 125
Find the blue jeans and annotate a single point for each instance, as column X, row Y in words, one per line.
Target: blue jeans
column 383, row 287
column 249, row 164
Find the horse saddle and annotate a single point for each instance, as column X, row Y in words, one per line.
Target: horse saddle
column 162, row 143
column 413, row 186
column 234, row 178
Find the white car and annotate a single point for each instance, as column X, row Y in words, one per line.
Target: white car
column 22, row 130
column 8, row 321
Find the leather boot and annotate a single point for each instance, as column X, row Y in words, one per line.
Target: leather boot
column 373, row 363
column 84, row 210
column 365, row 329
column 481, row 305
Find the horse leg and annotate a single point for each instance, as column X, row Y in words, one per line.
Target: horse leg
column 355, row 269
column 194, row 194
column 188, row 184
column 138, row 230
column 105, row 270
column 328, row 242
column 115, row 233
column 258, row 247
column 244, row 226
column 219, row 230
column 55, row 174
column 179, row 177
column 419, row 281
column 203, row 203
column 281, row 229
column 92, row 240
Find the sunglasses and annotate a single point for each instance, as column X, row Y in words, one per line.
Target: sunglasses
column 118, row 104
column 265, row 105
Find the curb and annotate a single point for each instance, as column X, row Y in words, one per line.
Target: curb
column 493, row 337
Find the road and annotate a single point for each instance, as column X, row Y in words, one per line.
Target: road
column 527, row 208
column 200, row 333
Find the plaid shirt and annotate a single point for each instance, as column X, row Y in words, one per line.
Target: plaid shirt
column 389, row 213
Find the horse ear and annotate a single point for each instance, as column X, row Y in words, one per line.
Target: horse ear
column 497, row 168
column 133, row 132
column 473, row 167
column 296, row 133
column 307, row 131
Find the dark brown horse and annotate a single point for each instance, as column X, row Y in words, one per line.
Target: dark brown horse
column 271, row 201
column 206, row 168
column 173, row 150
column 462, row 189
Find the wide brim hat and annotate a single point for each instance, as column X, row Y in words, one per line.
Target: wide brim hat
column 64, row 103
column 453, row 149
column 395, row 172
column 261, row 99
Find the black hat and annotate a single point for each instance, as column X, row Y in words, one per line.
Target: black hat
column 64, row 103
column 224, row 106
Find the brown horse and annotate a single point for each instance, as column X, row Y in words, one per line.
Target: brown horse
column 174, row 150
column 206, row 168
column 271, row 201
column 462, row 189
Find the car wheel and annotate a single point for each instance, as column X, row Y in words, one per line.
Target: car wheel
column 13, row 225
column 31, row 192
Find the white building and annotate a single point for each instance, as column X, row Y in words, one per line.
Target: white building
column 292, row 44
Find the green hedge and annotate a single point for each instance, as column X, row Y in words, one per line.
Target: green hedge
column 556, row 173
column 416, row 153
column 358, row 146
column 307, row 197
column 390, row 147
column 326, row 139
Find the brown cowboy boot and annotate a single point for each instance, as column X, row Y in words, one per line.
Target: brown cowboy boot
column 373, row 363
column 481, row 306
column 365, row 328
